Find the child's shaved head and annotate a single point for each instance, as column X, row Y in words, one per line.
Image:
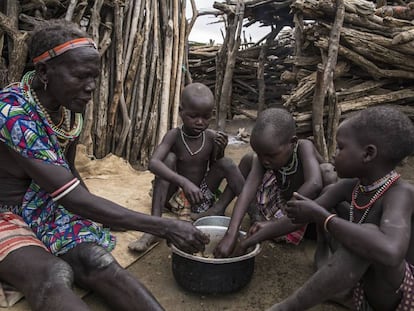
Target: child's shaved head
column 390, row 130
column 197, row 93
column 278, row 120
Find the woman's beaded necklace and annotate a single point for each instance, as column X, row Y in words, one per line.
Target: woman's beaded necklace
column 64, row 135
column 203, row 140
column 291, row 168
column 392, row 178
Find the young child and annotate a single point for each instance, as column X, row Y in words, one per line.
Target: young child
column 375, row 255
column 189, row 163
column 280, row 165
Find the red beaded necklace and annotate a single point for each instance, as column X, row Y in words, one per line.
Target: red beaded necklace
column 393, row 177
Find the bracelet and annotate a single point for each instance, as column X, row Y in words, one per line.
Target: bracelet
column 67, row 191
column 325, row 223
column 63, row 188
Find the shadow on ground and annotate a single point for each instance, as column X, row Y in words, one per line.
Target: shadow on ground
column 279, row 270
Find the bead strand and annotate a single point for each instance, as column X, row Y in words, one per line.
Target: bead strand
column 203, row 134
column 391, row 180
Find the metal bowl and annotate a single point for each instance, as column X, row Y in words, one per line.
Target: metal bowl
column 222, row 221
column 213, row 275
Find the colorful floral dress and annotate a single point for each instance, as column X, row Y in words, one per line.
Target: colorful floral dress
column 24, row 128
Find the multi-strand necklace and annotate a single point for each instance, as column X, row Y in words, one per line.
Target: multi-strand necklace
column 291, row 168
column 203, row 140
column 381, row 185
column 62, row 129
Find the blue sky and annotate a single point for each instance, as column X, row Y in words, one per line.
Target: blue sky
column 205, row 27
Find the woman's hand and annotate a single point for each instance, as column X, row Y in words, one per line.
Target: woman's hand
column 185, row 236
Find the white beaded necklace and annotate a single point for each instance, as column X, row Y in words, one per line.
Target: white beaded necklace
column 203, row 140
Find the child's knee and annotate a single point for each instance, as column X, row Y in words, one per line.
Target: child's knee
column 328, row 172
column 226, row 164
column 245, row 164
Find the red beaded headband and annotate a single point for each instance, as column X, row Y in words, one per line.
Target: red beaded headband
column 64, row 47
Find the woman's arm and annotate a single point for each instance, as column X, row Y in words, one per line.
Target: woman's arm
column 81, row 202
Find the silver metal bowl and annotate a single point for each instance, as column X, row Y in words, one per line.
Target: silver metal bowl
column 222, row 221
column 213, row 275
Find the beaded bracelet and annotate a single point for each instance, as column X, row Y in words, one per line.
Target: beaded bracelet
column 325, row 223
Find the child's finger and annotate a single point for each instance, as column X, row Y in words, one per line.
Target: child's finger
column 298, row 196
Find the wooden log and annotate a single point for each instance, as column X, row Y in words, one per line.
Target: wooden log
column 378, row 53
column 166, row 81
column 179, row 81
column 367, row 65
column 233, row 33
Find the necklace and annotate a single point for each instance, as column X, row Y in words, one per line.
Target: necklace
column 191, row 136
column 65, row 134
column 392, row 178
column 291, row 168
column 376, row 184
column 203, row 140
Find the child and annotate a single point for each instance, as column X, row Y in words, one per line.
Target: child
column 189, row 163
column 376, row 252
column 282, row 164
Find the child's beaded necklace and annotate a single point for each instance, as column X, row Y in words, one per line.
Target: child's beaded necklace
column 382, row 184
column 203, row 140
column 290, row 168
column 64, row 135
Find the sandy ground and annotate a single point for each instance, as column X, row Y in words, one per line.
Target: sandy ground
column 279, row 268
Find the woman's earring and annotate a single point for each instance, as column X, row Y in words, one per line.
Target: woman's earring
column 45, row 85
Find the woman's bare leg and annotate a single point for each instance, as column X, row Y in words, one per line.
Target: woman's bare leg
column 44, row 279
column 96, row 269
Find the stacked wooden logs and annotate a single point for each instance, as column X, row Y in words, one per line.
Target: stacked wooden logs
column 273, row 58
column 375, row 60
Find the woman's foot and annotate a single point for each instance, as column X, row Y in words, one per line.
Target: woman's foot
column 143, row 243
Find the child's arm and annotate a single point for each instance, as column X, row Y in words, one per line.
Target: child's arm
column 386, row 243
column 311, row 187
column 226, row 245
column 270, row 229
column 312, row 183
column 158, row 167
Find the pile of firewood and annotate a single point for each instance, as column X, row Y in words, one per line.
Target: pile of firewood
column 375, row 58
column 272, row 58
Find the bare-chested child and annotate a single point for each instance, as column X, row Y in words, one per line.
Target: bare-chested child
column 375, row 255
column 189, row 163
column 280, row 165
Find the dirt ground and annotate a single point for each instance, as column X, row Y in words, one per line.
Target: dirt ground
column 279, row 268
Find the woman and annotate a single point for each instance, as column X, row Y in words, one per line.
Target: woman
column 40, row 121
